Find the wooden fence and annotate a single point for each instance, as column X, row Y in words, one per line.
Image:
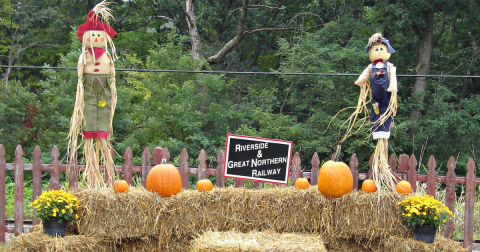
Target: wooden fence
column 405, row 168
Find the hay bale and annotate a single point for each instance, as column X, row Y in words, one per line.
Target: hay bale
column 368, row 216
column 139, row 213
column 399, row 244
column 38, row 241
column 257, row 242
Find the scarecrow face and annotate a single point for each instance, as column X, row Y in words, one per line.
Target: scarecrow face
column 379, row 51
column 96, row 39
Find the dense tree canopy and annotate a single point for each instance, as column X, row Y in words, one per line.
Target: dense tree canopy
column 437, row 116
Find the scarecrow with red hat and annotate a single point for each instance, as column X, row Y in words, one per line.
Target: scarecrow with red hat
column 96, row 96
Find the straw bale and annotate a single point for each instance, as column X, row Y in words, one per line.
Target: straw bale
column 38, row 241
column 257, row 242
column 368, row 216
column 398, row 244
column 139, row 213
column 118, row 215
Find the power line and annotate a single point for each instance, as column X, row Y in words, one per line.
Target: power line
column 238, row 72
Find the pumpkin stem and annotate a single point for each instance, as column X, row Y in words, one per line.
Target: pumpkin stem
column 337, row 153
column 164, row 161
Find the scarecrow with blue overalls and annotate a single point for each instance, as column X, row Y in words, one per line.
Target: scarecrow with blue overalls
column 383, row 88
column 95, row 98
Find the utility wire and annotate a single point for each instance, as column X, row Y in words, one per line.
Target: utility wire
column 252, row 73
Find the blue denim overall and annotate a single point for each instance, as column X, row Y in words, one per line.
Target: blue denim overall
column 380, row 95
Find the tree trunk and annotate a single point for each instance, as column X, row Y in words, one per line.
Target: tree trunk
column 192, row 29
column 425, row 47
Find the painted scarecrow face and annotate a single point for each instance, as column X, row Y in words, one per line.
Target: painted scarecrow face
column 379, row 51
column 96, row 39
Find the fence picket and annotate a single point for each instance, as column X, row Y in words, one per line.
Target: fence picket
column 220, row 167
column 412, row 172
column 145, row 165
column 55, row 169
column 354, row 170
column 296, row 170
column 469, row 205
column 183, row 169
column 315, row 169
column 73, row 174
column 36, row 178
column 370, row 165
column 403, row 166
column 450, row 196
column 18, row 167
column 202, row 165
column 431, row 176
column 128, row 166
column 3, row 169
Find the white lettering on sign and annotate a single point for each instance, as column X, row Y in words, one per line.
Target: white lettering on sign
column 263, row 173
column 260, row 162
column 238, row 164
column 249, row 147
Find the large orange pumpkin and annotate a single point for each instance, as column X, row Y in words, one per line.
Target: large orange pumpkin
column 335, row 179
column 302, row 183
column 120, row 186
column 403, row 187
column 368, row 185
column 164, row 179
column 204, row 185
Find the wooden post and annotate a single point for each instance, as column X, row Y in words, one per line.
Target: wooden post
column 128, row 166
column 55, row 169
column 157, row 155
column 403, row 166
column 202, row 165
column 220, row 167
column 145, row 166
column 296, row 170
column 431, row 176
column 3, row 168
column 73, row 174
column 370, row 165
column 450, row 197
column 392, row 162
column 18, row 167
column 469, row 205
column 412, row 172
column 354, row 170
column 241, row 183
column 36, row 178
column 183, row 169
column 315, row 169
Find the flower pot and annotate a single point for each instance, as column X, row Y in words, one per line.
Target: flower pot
column 425, row 233
column 53, row 228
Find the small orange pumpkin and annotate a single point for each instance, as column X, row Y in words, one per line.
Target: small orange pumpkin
column 204, row 185
column 120, row 186
column 164, row 179
column 302, row 183
column 369, row 186
column 335, row 179
column 403, row 187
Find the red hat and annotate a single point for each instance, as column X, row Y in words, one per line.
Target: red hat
column 94, row 23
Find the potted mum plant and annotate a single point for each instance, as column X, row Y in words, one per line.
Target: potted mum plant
column 425, row 215
column 55, row 208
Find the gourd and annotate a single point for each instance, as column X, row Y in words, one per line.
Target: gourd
column 368, row 185
column 335, row 179
column 164, row 179
column 204, row 185
column 302, row 183
column 403, row 187
column 120, row 186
